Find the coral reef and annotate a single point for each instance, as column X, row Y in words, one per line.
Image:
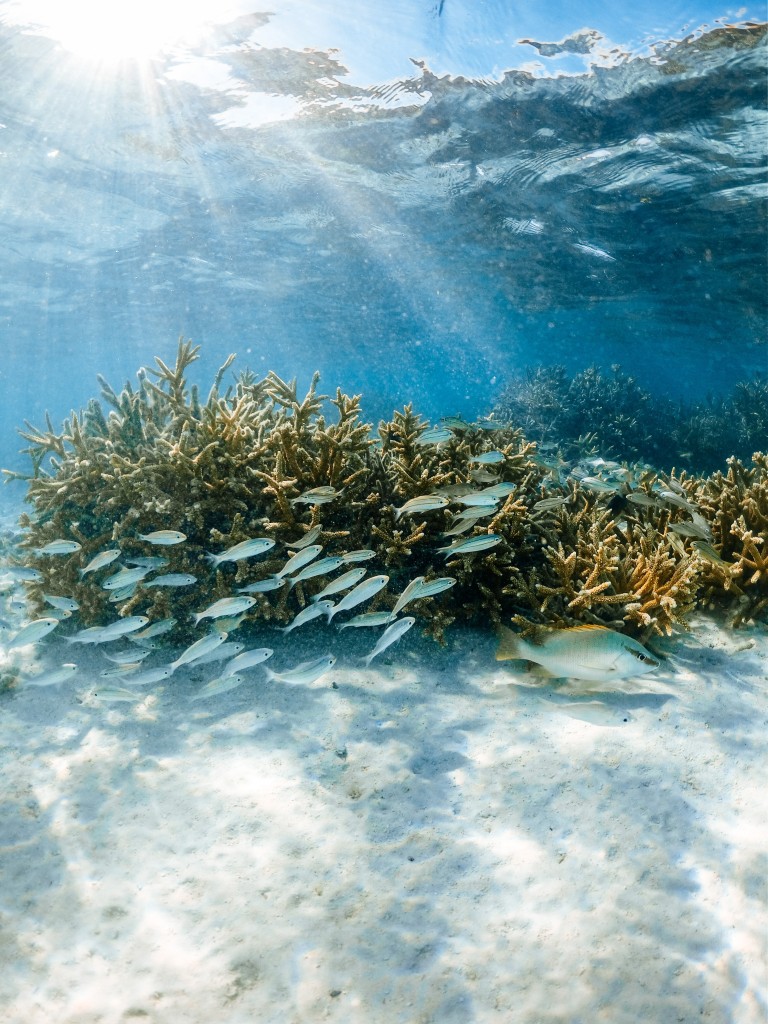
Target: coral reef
column 257, row 460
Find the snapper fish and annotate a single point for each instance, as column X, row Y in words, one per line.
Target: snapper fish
column 172, row 579
column 491, row 458
column 299, row 560
column 594, row 653
column 224, row 683
column 125, row 578
column 33, row 632
column 316, row 496
column 435, row 435
column 64, row 604
column 225, row 606
column 263, row 586
column 308, row 538
column 481, row 542
column 248, row 659
column 312, row 611
column 422, row 503
column 100, row 560
column 199, row 648
column 390, row 636
column 54, row 678
column 368, row 619
column 362, row 592
column 359, row 555
column 343, row 582
column 321, row 568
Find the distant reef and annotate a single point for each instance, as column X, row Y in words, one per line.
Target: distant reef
column 547, row 531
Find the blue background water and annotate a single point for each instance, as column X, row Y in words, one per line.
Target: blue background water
column 414, row 231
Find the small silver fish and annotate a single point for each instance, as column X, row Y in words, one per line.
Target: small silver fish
column 710, row 554
column 469, row 546
column 475, row 512
column 454, row 423
column 245, row 549
column 54, row 678
column 115, row 695
column 362, row 592
column 305, row 673
column 91, row 635
column 100, row 560
column 225, row 606
column 125, row 578
column 300, row 559
column 132, row 657
column 263, row 586
column 118, row 671
column 151, row 675
column 594, row 483
column 226, row 650
column 158, row 628
column 436, row 586
column 360, row 555
column 407, row 595
column 368, row 619
column 163, row 537
column 312, row 611
column 149, row 561
column 122, row 594
column 690, row 530
column 32, row 632
column 549, row 503
column 24, row 574
column 248, row 659
column 316, row 496
column 643, row 499
column 221, row 685
column 348, row 579
column 64, row 604
column 172, row 579
column 480, row 499
column 491, row 458
column 200, row 647
column 308, row 537
column 321, row 568
column 59, row 547
column 422, row 503
column 500, row 490
column 390, row 635
column 127, row 625
column 435, row 435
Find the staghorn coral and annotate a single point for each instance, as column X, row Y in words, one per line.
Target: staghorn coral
column 247, row 460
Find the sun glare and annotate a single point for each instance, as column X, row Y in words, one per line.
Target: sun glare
column 110, row 32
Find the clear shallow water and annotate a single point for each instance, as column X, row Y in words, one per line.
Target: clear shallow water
column 417, row 236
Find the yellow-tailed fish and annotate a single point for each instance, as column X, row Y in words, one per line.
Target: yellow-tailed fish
column 360, row 555
column 407, row 595
column 491, row 458
column 64, row 604
column 125, row 578
column 481, row 542
column 122, row 627
column 423, row 503
column 226, row 650
column 435, row 435
column 480, row 499
column 595, row 653
column 343, row 582
column 100, row 560
column 59, row 547
column 316, row 496
column 312, row 611
column 199, row 648
column 321, row 568
column 709, row 554
column 362, row 592
column 249, row 658
column 155, row 629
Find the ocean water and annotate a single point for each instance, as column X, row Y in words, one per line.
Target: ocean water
column 420, row 203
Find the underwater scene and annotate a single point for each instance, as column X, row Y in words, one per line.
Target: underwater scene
column 384, row 519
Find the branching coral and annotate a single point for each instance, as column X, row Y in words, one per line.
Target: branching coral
column 258, row 459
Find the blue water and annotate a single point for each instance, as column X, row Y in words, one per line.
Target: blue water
column 414, row 231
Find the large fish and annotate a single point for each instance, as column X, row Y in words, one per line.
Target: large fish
column 595, row 653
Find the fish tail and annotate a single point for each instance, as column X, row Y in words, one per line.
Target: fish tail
column 510, row 648
column 213, row 559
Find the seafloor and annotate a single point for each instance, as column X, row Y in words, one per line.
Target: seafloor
column 433, row 839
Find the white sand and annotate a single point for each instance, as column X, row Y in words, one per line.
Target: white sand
column 435, row 840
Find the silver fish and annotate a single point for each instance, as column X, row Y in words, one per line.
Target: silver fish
column 127, row 625
column 59, row 547
column 155, row 629
column 220, row 685
column 348, row 579
column 118, row 671
column 32, row 632
column 316, row 496
column 172, row 579
column 122, row 594
column 227, row 650
column 469, row 546
column 132, row 657
column 321, row 568
column 125, row 578
column 300, row 559
column 305, row 673
column 407, row 595
column 690, row 530
column 475, row 512
column 248, row 659
column 360, row 555
column 390, row 635
column 100, row 560
column 422, row 503
column 91, row 635
column 500, row 490
column 115, row 695
column 53, row 678
column 454, row 423
column 479, row 499
column 245, row 549
column 435, row 435
column 437, row 586
column 491, row 458
column 312, row 611
column 368, row 619
column 163, row 537
column 151, row 675
column 594, row 483
column 64, row 604
column 459, row 526
column 225, row 606
column 362, row 592
column 200, row 647
column 149, row 561
column 23, row 574
column 263, row 586
column 643, row 499
column 308, row 537
column 548, row 503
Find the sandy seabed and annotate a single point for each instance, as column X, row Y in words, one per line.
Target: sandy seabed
column 437, row 839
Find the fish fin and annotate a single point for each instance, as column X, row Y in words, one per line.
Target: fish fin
column 509, row 645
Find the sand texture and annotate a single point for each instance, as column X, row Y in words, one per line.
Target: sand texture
column 437, row 839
